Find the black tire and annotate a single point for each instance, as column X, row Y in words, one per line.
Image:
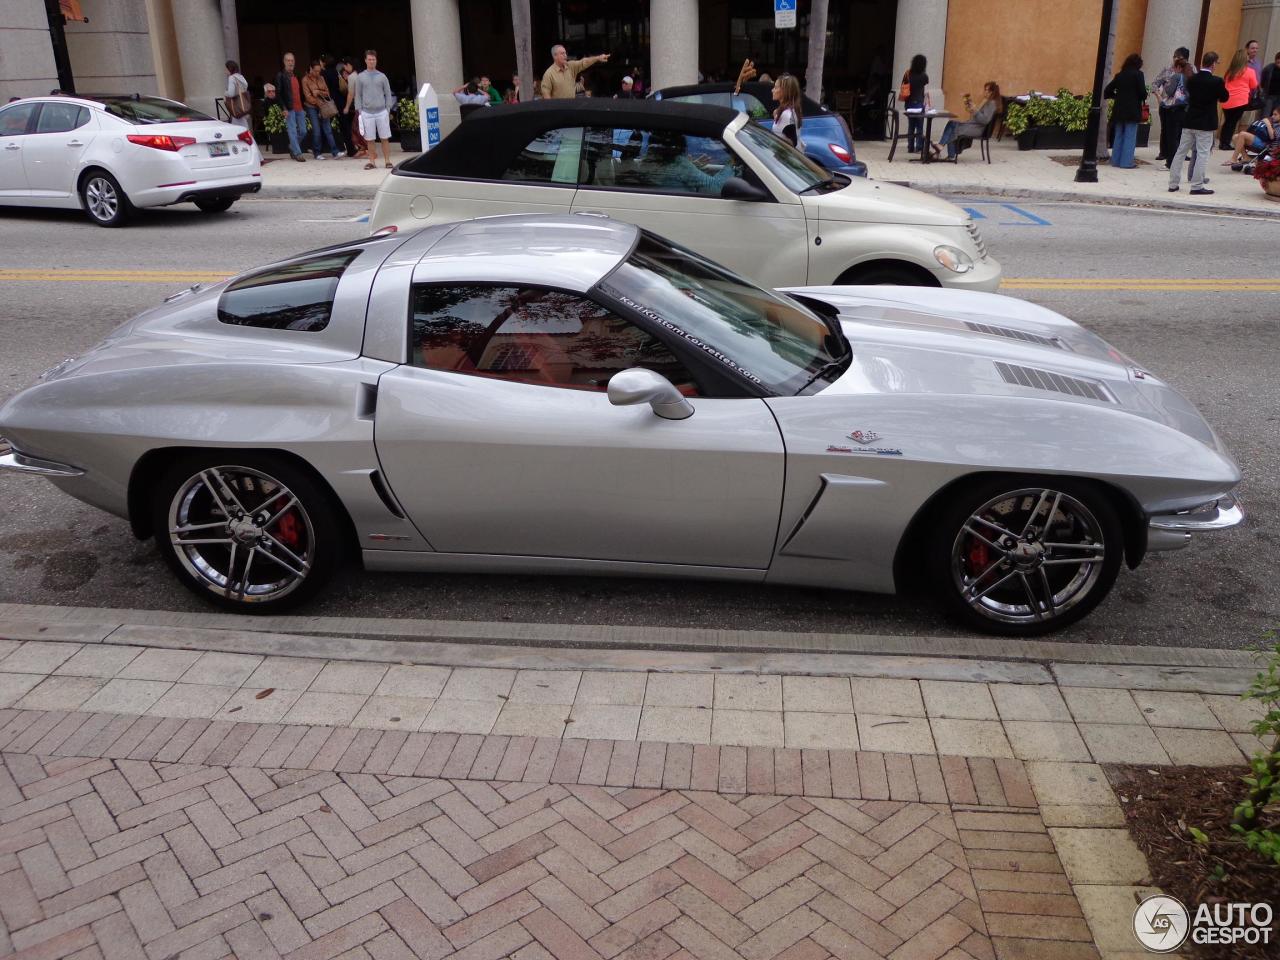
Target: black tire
column 216, row 204
column 982, row 577
column 300, row 545
column 887, row 274
column 103, row 200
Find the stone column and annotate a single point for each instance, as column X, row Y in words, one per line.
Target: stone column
column 673, row 43
column 27, row 68
column 437, row 55
column 1170, row 24
column 921, row 28
column 198, row 27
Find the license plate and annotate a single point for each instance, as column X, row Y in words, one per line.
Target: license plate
column 219, row 149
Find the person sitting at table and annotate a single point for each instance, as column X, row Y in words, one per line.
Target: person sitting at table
column 975, row 126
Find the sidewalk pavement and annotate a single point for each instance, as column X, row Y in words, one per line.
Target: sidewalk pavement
column 1013, row 173
column 161, row 798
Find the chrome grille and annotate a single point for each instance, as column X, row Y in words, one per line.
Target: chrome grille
column 1053, row 382
column 977, row 238
column 1010, row 334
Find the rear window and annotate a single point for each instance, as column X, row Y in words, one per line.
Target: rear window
column 150, row 110
column 297, row 296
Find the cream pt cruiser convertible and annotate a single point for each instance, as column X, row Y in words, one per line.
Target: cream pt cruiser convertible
column 703, row 176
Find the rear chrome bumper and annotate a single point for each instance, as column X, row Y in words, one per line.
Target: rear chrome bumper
column 1171, row 531
column 16, row 462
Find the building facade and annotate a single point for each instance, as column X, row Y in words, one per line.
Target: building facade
column 177, row 48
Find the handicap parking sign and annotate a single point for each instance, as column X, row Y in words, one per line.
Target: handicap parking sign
column 784, row 14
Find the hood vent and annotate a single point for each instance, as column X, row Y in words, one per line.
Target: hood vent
column 1054, row 382
column 1011, row 334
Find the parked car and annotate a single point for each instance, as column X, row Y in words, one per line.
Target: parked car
column 574, row 395
column 703, row 176
column 110, row 155
column 824, row 133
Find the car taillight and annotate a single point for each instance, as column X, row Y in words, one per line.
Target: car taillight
column 161, row 141
column 245, row 137
column 843, row 155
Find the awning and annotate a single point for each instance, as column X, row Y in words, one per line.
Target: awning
column 71, row 10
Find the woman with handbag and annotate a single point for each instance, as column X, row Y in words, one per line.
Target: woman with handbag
column 237, row 99
column 320, row 110
column 914, row 96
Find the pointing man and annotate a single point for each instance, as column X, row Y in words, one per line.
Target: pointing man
column 558, row 81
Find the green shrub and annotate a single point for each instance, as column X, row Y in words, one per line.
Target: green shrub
column 274, row 121
column 1257, row 820
column 407, row 114
column 1067, row 111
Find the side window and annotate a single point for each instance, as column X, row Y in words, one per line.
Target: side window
column 14, row 120
column 298, row 296
column 664, row 161
column 553, row 157
column 61, row 118
column 534, row 336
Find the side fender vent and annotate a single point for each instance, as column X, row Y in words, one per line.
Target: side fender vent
column 388, row 501
column 1011, row 334
column 1053, row 382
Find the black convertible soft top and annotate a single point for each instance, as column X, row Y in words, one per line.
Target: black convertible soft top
column 483, row 146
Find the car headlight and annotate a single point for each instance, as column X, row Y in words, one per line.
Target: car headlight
column 953, row 258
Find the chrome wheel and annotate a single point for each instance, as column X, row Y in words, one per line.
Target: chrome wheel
column 241, row 534
column 1029, row 556
column 102, row 199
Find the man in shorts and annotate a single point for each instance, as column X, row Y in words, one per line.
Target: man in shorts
column 373, row 101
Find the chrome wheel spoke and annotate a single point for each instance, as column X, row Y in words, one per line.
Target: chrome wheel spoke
column 267, row 524
column 203, row 541
column 1095, row 548
column 1003, row 531
column 976, row 597
column 1063, row 561
column 244, row 577
column 231, row 568
column 227, row 490
column 1051, row 606
column 193, row 527
column 1031, row 597
column 1035, row 512
column 990, row 543
column 299, row 571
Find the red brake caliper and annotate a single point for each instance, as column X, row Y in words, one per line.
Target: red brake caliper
column 288, row 530
column 978, row 556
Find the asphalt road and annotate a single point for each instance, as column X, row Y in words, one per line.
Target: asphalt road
column 1124, row 273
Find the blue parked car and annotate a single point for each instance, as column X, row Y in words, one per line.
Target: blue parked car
column 825, row 135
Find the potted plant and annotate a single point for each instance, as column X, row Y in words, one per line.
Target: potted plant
column 1266, row 170
column 277, row 129
column 1044, row 123
column 410, row 130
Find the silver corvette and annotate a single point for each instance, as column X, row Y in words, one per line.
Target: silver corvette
column 573, row 394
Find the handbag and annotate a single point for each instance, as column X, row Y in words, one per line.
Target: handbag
column 904, row 91
column 239, row 105
column 328, row 109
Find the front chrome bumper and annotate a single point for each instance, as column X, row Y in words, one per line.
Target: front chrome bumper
column 1172, row 531
column 11, row 459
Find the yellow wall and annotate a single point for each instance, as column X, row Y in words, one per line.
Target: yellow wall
column 1046, row 44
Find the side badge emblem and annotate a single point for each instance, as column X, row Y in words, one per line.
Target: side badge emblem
column 864, row 436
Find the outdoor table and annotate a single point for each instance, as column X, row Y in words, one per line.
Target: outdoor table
column 926, row 156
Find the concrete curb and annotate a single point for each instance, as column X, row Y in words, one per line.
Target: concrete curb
column 359, row 192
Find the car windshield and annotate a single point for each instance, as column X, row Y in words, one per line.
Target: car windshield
column 150, row 110
column 784, row 161
column 766, row 337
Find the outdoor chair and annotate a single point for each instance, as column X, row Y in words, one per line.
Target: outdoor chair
column 893, row 131
column 846, row 104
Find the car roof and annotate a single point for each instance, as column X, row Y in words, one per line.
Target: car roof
column 761, row 91
column 569, row 251
column 483, row 145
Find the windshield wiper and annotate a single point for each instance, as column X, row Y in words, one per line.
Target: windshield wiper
column 821, row 183
column 835, row 366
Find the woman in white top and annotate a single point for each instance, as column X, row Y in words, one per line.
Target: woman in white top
column 237, row 95
column 787, row 118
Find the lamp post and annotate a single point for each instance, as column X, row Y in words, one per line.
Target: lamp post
column 1088, row 170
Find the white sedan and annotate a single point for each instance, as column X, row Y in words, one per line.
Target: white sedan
column 108, row 155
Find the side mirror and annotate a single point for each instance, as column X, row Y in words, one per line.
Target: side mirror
column 638, row 385
column 735, row 188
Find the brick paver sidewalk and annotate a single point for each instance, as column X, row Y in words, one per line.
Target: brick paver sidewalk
column 127, row 836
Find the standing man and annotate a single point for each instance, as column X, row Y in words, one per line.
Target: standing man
column 628, row 91
column 337, row 85
column 1204, row 93
column 373, row 101
column 559, row 80
column 289, row 91
column 1260, row 96
column 1170, row 88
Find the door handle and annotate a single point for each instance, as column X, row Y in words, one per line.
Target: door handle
column 74, row 143
column 12, row 146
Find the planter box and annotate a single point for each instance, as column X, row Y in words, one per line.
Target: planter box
column 1050, row 138
column 279, row 142
column 411, row 141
